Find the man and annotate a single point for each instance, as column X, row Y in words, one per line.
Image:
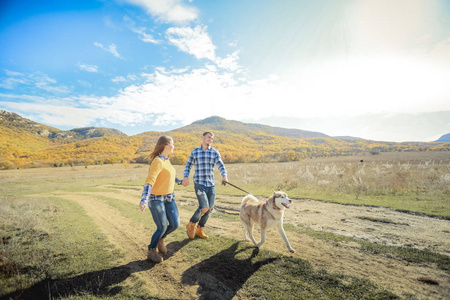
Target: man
column 204, row 158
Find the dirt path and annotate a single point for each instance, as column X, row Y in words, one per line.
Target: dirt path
column 132, row 239
column 398, row 276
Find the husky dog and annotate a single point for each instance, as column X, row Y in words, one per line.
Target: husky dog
column 267, row 215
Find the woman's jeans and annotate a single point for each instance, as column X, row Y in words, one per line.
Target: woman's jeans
column 206, row 197
column 166, row 217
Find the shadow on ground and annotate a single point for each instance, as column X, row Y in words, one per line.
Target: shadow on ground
column 98, row 283
column 222, row 275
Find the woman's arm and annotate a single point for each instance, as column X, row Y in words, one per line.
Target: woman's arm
column 145, row 196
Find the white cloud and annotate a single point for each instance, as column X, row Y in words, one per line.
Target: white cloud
column 111, row 49
column 168, row 10
column 12, row 73
column 118, row 79
column 230, row 62
column 143, row 36
column 195, row 41
column 57, row 115
column 88, row 68
column 327, row 91
column 129, row 77
column 84, row 83
column 37, row 79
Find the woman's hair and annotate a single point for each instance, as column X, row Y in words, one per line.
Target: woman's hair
column 160, row 144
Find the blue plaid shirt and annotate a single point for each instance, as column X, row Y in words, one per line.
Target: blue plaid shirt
column 204, row 162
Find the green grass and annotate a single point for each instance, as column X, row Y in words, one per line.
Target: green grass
column 408, row 182
column 70, row 253
column 50, row 241
column 239, row 269
column 403, row 253
column 46, row 239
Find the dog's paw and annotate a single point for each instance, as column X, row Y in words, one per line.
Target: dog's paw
column 292, row 250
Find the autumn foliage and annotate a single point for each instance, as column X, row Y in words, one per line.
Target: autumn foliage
column 23, row 149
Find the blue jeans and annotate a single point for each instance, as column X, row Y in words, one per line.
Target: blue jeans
column 166, row 217
column 206, row 197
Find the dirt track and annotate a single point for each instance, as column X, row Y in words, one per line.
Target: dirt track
column 165, row 279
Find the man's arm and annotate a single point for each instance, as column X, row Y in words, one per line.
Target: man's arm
column 187, row 169
column 222, row 168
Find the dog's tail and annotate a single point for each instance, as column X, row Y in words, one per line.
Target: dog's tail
column 247, row 199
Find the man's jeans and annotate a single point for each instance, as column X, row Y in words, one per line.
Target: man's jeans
column 166, row 217
column 206, row 197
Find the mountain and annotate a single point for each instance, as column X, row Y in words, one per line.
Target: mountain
column 25, row 143
column 91, row 132
column 221, row 124
column 18, row 123
column 444, row 139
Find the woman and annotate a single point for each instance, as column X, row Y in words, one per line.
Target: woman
column 159, row 194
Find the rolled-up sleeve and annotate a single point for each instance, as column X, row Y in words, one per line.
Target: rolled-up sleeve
column 221, row 165
column 187, row 169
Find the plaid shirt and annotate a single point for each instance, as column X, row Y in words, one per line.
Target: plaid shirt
column 204, row 165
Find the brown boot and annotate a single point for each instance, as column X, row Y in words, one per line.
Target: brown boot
column 154, row 256
column 190, row 230
column 161, row 247
column 199, row 232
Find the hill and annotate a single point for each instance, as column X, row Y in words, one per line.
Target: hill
column 19, row 124
column 25, row 143
column 444, row 139
column 221, row 124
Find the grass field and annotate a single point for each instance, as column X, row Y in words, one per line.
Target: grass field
column 417, row 182
column 77, row 233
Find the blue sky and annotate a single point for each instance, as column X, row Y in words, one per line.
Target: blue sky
column 376, row 69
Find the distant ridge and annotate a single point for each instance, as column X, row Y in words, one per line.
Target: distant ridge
column 444, row 139
column 19, row 123
column 25, row 143
column 91, row 132
column 221, row 124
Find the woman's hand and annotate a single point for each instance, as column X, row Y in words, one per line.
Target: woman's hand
column 142, row 206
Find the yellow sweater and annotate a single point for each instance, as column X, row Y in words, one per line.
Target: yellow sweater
column 161, row 176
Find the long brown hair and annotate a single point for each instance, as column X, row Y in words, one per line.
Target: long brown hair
column 160, row 144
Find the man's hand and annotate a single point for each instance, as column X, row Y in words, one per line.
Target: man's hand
column 224, row 180
column 142, row 206
column 185, row 182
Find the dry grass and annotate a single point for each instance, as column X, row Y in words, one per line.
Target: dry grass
column 411, row 182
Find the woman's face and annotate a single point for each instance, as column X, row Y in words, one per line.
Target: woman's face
column 170, row 147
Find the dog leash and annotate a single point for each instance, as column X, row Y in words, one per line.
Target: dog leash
column 236, row 187
column 266, row 202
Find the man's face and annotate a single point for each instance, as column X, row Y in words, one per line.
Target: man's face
column 208, row 139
